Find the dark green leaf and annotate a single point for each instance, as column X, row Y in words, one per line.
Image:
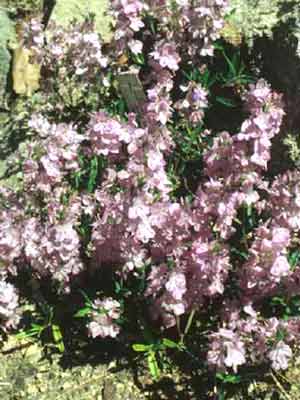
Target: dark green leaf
column 225, row 102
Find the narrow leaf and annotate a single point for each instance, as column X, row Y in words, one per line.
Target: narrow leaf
column 153, row 365
column 140, row 347
column 169, row 343
column 58, row 338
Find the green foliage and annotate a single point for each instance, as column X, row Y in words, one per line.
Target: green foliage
column 225, row 79
column 87, row 309
column 228, row 378
column 234, row 74
column 45, row 328
column 154, row 354
column 89, row 173
column 292, row 142
column 286, row 307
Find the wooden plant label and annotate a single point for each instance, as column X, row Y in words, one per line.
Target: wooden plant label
column 132, row 90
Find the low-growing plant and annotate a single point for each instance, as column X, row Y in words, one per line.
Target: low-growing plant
column 156, row 214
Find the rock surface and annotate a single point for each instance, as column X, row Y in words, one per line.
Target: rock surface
column 259, row 18
column 6, row 35
column 64, row 11
column 25, row 374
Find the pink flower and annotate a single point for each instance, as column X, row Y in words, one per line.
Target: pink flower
column 280, row 355
column 176, row 285
column 280, row 267
column 226, row 349
column 165, row 53
column 136, row 46
column 235, row 354
column 104, row 316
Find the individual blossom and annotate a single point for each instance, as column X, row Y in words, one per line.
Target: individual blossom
column 280, row 355
column 176, row 285
column 136, row 46
column 166, row 55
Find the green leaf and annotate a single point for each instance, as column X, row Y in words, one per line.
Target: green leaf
column 280, row 334
column 153, row 365
column 93, row 174
column 83, row 312
column 231, row 65
column 87, row 299
column 140, row 347
column 58, row 338
column 278, row 300
column 170, row 344
column 228, row 378
column 294, row 258
column 225, row 102
column 24, row 335
column 37, row 327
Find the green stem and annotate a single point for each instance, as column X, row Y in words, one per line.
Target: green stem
column 188, row 325
column 178, row 326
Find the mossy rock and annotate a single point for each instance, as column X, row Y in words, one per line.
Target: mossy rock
column 22, row 8
column 5, row 59
column 7, row 35
column 64, row 11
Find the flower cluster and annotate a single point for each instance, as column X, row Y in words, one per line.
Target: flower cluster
column 53, row 250
column 285, row 200
column 59, row 147
column 188, row 249
column 181, row 33
column 234, row 164
column 267, row 264
column 33, row 38
column 107, row 135
column 194, row 24
column 249, row 338
column 49, row 246
column 79, row 43
column 9, row 303
column 104, row 318
column 68, row 56
column 193, row 105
